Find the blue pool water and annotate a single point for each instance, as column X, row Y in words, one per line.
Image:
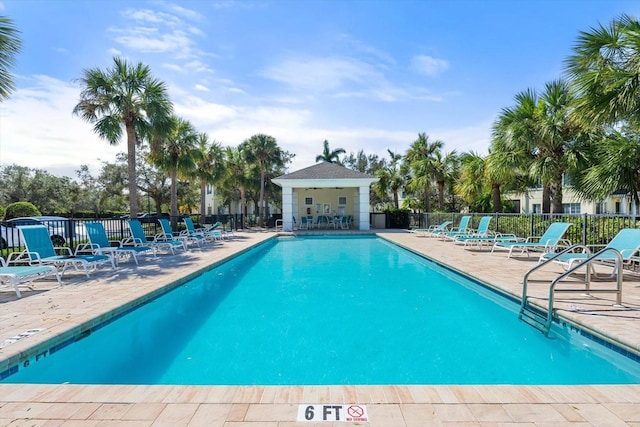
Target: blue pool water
column 329, row 311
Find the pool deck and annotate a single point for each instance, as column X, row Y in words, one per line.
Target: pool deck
column 80, row 303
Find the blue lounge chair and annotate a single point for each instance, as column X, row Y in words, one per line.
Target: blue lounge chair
column 432, row 230
column 138, row 238
column 483, row 235
column 39, row 250
column 99, row 244
column 460, row 231
column 548, row 242
column 16, row 276
column 167, row 235
column 209, row 235
column 626, row 243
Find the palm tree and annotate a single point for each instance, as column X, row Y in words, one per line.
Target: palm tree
column 445, row 170
column 472, row 183
column 605, row 72
column 125, row 96
column 328, row 155
column 174, row 152
column 10, row 46
column 420, row 158
column 542, row 129
column 615, row 167
column 209, row 167
column 263, row 151
column 391, row 178
column 237, row 175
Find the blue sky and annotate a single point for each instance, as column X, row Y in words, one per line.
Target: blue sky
column 365, row 75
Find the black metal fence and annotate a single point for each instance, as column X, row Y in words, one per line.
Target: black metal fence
column 587, row 229
column 71, row 232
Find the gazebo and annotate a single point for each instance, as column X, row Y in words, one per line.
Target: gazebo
column 325, row 189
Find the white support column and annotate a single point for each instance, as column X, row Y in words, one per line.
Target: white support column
column 287, row 209
column 364, row 208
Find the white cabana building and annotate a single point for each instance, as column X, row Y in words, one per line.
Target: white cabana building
column 325, row 189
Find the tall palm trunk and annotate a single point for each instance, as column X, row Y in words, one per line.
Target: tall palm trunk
column 261, row 205
column 427, row 204
column 495, row 198
column 131, row 169
column 546, row 199
column 556, row 194
column 243, row 203
column 203, row 208
column 174, row 199
column 441, row 195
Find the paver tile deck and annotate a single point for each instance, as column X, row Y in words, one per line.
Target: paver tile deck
column 64, row 311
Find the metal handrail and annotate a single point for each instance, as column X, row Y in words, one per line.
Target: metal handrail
column 618, row 291
column 586, row 263
column 523, row 303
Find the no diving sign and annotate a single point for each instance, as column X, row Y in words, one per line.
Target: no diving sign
column 332, row 413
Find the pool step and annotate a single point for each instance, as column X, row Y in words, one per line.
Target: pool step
column 535, row 318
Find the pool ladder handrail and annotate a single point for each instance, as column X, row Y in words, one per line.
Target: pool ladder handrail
column 534, row 315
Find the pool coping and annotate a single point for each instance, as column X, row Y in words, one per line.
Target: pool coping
column 277, row 405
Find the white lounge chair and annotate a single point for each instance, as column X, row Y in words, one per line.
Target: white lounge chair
column 139, row 238
column 548, row 242
column 626, row 243
column 99, row 244
column 39, row 250
column 16, row 276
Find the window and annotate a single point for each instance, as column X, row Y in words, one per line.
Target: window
column 342, row 200
column 209, row 189
column 537, row 208
column 308, row 201
column 571, row 208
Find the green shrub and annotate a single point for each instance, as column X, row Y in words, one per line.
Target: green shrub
column 18, row 209
column 398, row 218
column 2, row 212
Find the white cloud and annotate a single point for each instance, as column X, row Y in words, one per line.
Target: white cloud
column 38, row 129
column 186, row 13
column 429, row 65
column 320, row 74
column 114, row 52
column 201, row 88
column 151, row 40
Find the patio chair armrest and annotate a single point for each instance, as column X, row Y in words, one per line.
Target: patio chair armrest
column 86, row 247
column 63, row 249
column 19, row 257
column 132, row 241
column 24, row 257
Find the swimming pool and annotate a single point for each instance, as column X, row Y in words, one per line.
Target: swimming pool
column 329, row 311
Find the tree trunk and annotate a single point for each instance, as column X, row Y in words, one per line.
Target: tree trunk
column 495, row 198
column 243, row 203
column 174, row 199
column 203, row 207
column 556, row 195
column 396, row 200
column 260, row 205
column 131, row 169
column 427, row 207
column 441, row 195
column 546, row 199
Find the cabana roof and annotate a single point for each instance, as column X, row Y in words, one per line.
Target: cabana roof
column 324, row 174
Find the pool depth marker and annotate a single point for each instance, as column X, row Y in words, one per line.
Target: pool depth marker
column 332, row 413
